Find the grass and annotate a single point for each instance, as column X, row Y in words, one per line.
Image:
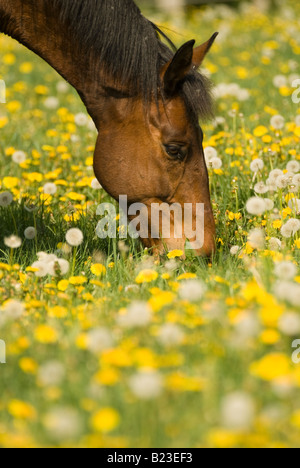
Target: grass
column 215, row 370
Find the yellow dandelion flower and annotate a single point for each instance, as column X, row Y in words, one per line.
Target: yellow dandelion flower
column 21, row 410
column 98, row 269
column 146, row 276
column 175, row 254
column 105, row 420
column 45, row 334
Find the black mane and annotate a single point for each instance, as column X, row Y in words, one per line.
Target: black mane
column 130, row 46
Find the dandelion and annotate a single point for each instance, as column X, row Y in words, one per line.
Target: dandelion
column 235, row 250
column 293, row 167
column 6, row 199
column 256, row 206
column 274, row 174
column 138, row 314
column 269, row 204
column 99, row 339
column 19, row 157
column 30, row 233
column 256, row 239
column 290, row 228
column 58, row 267
column 238, row 411
column 215, row 163
column 51, row 103
column 13, row 309
column 288, row 291
column 274, row 244
column 297, row 120
column 95, row 184
column 13, row 242
column 277, row 122
column 62, row 87
column 282, row 182
column 41, row 269
column 74, row 237
column 50, row 189
column 105, row 420
column 146, row 385
column 280, row 81
column 192, row 290
column 257, row 165
column 261, row 188
column 210, row 153
column 62, row 423
column 81, row 119
column 170, row 334
column 51, row 373
column 285, row 270
column 296, row 180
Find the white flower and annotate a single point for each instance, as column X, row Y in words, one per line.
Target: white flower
column 6, row 199
column 63, row 423
column 99, row 339
column 289, row 324
column 257, row 165
column 274, row 244
column 297, row 120
column 30, row 233
column 296, row 180
column 285, row 270
column 261, row 188
column 277, row 122
column 146, row 385
column 238, row 411
column 42, row 269
column 257, row 238
column 293, row 166
column 138, row 314
column 170, row 334
column 294, row 204
column 62, row 87
column 96, row 185
column 13, row 309
column 290, row 228
column 280, row 81
column 210, row 153
column 235, row 250
column 51, row 373
column 50, row 188
column 13, row 242
column 58, row 267
column 274, row 174
column 282, row 181
column 192, row 290
column 215, row 163
column 46, row 258
column 256, row 206
column 132, row 288
column 288, row 291
column 51, row 102
column 19, row 157
column 269, row 204
column 81, row 119
column 74, row 237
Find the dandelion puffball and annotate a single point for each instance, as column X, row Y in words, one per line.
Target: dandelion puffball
column 74, row 237
column 256, row 206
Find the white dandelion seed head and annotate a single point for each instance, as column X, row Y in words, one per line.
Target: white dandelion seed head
column 58, row 267
column 13, row 242
column 280, row 81
column 138, row 314
column 74, row 237
column 282, row 181
column 62, row 87
column 257, row 238
column 296, row 180
column 238, row 411
column 289, row 324
column 50, row 188
column 6, row 199
column 293, row 167
column 235, row 250
column 269, row 204
column 170, row 334
column 63, row 423
column 46, row 258
column 81, row 119
column 99, row 339
column 288, row 291
column 261, row 188
column 210, row 153
column 96, row 185
column 13, row 309
column 42, row 269
column 297, row 120
column 294, row 204
column 256, row 206
column 192, row 290
column 277, row 122
column 257, row 165
column 30, row 233
column 274, row 174
column 146, row 385
column 51, row 103
column 285, row 270
column 215, row 163
column 19, row 157
column 51, row 373
column 274, row 244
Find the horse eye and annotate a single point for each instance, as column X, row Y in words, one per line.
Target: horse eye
column 175, row 151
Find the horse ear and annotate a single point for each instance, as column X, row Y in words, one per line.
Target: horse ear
column 176, row 70
column 200, row 52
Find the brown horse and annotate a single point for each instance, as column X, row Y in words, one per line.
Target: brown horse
column 144, row 98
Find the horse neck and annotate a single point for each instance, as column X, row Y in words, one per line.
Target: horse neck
column 27, row 22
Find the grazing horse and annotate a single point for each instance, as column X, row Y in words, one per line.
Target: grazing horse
column 144, row 97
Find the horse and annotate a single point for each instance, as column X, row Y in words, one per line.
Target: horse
column 145, row 97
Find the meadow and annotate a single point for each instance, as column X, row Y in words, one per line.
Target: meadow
column 115, row 348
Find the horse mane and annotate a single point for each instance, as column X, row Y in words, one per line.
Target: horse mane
column 131, row 47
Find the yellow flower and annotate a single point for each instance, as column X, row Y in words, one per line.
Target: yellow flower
column 77, row 280
column 183, row 383
column 161, row 299
column 98, row 269
column 58, row 312
column 10, row 182
column 26, row 67
column 21, row 410
column 175, row 254
column 270, row 337
column 271, row 367
column 76, row 196
column 146, row 276
column 107, row 376
column 28, row 365
column 186, row 276
column 105, row 420
column 260, row 131
column 63, row 285
column 45, row 334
